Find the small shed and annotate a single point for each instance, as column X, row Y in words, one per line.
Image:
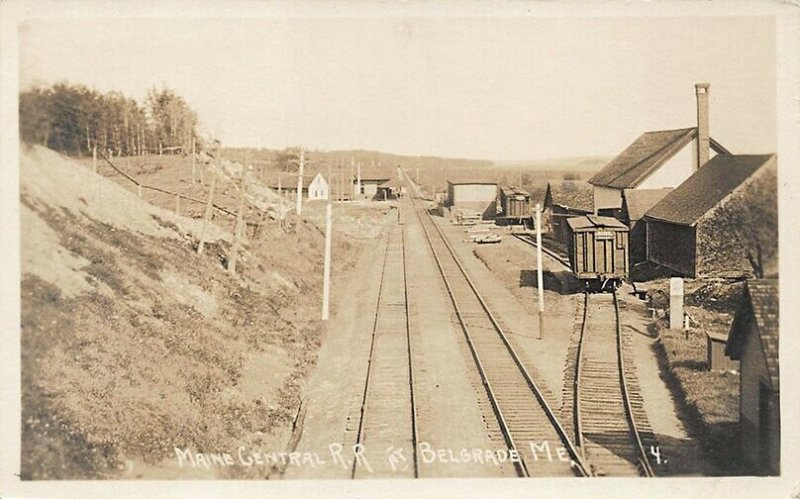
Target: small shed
column 716, row 360
column 753, row 341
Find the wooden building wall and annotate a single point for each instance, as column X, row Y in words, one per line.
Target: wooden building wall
column 759, row 407
column 672, row 246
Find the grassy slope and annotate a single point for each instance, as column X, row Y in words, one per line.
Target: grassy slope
column 710, row 399
column 150, row 354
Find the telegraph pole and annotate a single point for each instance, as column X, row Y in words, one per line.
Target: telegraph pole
column 539, row 279
column 326, row 280
column 299, row 207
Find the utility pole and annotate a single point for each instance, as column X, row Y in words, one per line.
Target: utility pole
column 539, row 279
column 194, row 168
column 326, row 280
column 330, row 183
column 358, row 181
column 299, row 207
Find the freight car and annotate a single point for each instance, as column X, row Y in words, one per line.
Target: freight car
column 514, row 206
column 598, row 251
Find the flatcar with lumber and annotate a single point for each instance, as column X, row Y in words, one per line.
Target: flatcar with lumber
column 598, row 251
column 515, row 206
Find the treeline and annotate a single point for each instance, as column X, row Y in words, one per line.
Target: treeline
column 73, row 119
column 287, row 159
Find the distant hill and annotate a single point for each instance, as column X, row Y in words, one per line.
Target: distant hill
column 366, row 158
column 579, row 163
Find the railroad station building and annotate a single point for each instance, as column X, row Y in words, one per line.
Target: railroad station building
column 753, row 341
column 656, row 160
column 696, row 229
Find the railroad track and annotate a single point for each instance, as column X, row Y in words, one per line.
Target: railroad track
column 607, row 418
column 525, row 238
column 387, row 425
column 528, row 425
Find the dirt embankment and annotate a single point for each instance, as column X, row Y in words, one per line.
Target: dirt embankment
column 133, row 344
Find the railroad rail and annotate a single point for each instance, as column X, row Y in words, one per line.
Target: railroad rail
column 387, row 420
column 525, row 238
column 526, row 421
column 605, row 418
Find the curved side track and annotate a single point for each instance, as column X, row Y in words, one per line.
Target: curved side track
column 388, row 416
column 529, row 427
column 605, row 418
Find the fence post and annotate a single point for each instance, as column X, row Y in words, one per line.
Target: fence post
column 237, row 229
column 94, row 159
column 139, row 189
column 209, row 208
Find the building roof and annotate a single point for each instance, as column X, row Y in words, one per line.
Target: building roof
column 589, row 222
column 509, row 190
column 471, row 181
column 570, row 194
column 637, row 202
column 760, row 303
column 644, row 156
column 706, row 188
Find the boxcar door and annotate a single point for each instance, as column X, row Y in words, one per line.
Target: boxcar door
column 604, row 251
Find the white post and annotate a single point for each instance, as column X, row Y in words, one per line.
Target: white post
column 279, row 183
column 539, row 279
column 326, row 280
column 94, row 159
column 676, row 303
column 299, row 207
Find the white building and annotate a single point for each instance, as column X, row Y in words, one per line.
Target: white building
column 656, row 160
column 318, row 188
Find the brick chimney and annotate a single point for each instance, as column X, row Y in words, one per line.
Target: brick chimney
column 703, row 138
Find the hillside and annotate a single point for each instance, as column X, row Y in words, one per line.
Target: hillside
column 133, row 344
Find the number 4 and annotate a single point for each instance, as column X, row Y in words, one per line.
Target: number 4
column 655, row 451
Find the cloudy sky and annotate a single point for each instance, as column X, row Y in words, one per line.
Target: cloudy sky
column 500, row 88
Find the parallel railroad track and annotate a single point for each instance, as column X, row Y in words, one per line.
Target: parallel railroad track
column 526, row 421
column 388, row 413
column 525, row 238
column 606, row 416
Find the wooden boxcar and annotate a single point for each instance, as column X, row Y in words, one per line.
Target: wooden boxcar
column 515, row 204
column 598, row 250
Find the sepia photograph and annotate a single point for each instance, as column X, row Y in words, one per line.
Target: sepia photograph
column 417, row 242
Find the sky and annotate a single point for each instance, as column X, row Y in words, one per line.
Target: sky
column 500, row 88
